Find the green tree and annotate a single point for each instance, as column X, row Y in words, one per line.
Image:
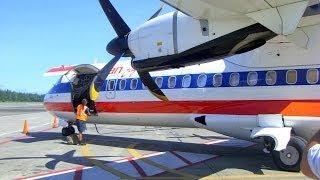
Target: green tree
column 12, row 96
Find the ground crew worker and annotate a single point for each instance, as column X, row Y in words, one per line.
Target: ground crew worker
column 82, row 116
column 310, row 163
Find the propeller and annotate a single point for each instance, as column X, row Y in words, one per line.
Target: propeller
column 101, row 76
column 119, row 48
column 151, row 85
column 156, row 14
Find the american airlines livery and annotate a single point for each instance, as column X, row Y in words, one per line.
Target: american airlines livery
column 249, row 71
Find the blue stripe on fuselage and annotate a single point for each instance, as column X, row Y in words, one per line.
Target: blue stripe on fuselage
column 60, row 88
column 281, row 81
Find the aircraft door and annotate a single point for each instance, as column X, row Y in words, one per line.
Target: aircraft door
column 111, row 89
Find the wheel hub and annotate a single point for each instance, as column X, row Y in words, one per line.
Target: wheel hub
column 289, row 156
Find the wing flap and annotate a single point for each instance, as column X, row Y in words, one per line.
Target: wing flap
column 281, row 20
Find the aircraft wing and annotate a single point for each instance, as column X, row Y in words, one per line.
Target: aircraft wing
column 280, row 16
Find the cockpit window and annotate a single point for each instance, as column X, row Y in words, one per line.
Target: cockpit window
column 59, row 80
column 68, row 77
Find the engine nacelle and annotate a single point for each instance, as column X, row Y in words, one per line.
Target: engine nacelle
column 176, row 40
column 168, row 34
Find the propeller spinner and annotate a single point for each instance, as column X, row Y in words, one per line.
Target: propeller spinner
column 119, row 48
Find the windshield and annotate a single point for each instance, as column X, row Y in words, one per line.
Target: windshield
column 68, row 77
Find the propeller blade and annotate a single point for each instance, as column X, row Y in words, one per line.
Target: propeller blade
column 101, row 76
column 115, row 19
column 152, row 86
column 156, row 14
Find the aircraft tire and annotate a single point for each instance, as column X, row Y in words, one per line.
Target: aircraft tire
column 290, row 158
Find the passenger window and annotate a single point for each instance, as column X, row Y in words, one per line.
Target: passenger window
column 133, row 84
column 252, row 79
column 172, row 81
column 313, row 76
column 159, row 81
column 186, row 81
column 111, row 85
column 271, row 78
column 217, row 80
column 291, row 77
column 234, row 79
column 202, row 80
column 122, row 84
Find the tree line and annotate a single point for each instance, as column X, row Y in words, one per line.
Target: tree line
column 13, row 96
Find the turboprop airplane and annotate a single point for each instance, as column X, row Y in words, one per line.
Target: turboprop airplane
column 245, row 69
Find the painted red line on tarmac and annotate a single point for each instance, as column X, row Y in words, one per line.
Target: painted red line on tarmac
column 5, row 141
column 192, row 164
column 189, row 165
column 78, row 174
column 51, row 172
column 138, row 168
column 181, row 158
column 214, row 157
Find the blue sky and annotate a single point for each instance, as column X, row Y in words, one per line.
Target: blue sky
column 36, row 35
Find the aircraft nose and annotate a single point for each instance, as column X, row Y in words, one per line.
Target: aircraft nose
column 48, row 98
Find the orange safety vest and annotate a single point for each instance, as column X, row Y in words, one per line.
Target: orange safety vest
column 81, row 113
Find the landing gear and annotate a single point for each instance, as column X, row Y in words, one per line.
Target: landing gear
column 289, row 159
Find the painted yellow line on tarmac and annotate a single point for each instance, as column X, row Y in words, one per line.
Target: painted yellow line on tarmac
column 136, row 154
column 86, row 153
column 255, row 176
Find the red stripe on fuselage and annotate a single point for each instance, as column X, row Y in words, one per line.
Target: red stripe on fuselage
column 254, row 107
column 59, row 106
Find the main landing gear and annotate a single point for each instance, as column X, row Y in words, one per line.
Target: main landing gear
column 288, row 159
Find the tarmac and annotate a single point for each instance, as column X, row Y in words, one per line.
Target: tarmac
column 124, row 152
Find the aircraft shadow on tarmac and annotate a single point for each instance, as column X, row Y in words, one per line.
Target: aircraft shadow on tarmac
column 67, row 157
column 250, row 159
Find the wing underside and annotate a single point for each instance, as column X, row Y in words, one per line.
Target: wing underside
column 280, row 16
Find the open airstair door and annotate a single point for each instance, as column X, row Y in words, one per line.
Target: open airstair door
column 81, row 78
